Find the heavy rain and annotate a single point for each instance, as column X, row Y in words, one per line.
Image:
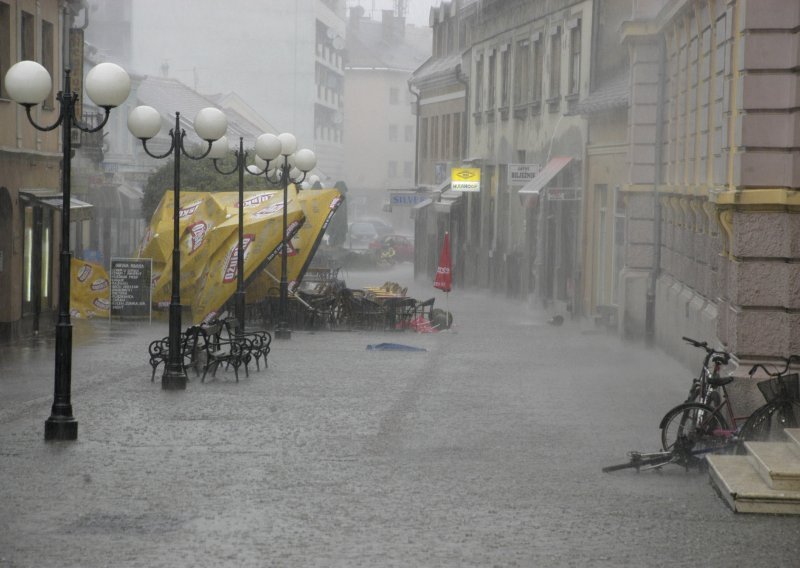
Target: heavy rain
column 399, row 283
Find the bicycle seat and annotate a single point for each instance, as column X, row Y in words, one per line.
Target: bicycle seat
column 719, row 381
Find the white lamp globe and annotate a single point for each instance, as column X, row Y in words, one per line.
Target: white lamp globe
column 28, row 83
column 268, row 147
column 219, row 149
column 108, row 85
column 305, row 160
column 313, row 180
column 210, row 124
column 288, row 143
column 253, row 169
column 260, row 163
column 144, row 122
column 294, row 173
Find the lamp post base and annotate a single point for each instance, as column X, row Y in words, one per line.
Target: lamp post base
column 58, row 429
column 173, row 380
column 283, row 331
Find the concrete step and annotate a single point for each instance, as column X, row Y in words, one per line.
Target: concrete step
column 777, row 463
column 743, row 489
column 793, row 436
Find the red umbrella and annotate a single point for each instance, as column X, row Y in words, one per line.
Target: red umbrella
column 444, row 277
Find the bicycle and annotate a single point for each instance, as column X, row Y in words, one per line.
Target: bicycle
column 782, row 410
column 693, row 429
column 709, row 372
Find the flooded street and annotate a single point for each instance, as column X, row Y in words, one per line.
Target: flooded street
column 483, row 450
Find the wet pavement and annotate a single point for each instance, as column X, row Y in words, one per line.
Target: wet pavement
column 484, row 450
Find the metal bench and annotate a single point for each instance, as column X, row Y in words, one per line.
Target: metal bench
column 255, row 342
column 159, row 350
column 216, row 350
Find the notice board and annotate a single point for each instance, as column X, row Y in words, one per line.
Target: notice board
column 130, row 287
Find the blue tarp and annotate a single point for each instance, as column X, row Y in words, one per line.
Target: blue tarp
column 393, row 347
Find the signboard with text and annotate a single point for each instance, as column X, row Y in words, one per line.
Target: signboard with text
column 130, row 287
column 520, row 174
column 407, row 198
column 465, row 179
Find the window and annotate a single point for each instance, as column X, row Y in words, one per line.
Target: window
column 409, row 133
column 435, row 137
column 574, row 57
column 392, row 169
column 423, row 138
column 27, row 38
column 479, row 84
column 5, row 45
column 48, row 58
column 451, row 36
column 445, row 153
column 505, row 78
column 522, row 63
column 394, row 96
column 408, row 170
column 538, row 65
column 555, row 63
column 457, row 136
column 492, row 80
column 392, row 133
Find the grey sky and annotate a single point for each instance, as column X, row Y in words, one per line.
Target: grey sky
column 417, row 9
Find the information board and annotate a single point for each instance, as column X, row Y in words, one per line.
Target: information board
column 130, row 287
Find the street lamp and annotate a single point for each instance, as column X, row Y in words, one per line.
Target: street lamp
column 284, row 165
column 144, row 122
column 29, row 83
column 219, row 151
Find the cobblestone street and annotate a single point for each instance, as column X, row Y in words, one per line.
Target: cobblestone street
column 485, row 450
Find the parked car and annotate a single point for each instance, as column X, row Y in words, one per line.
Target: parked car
column 393, row 248
column 381, row 227
column 359, row 235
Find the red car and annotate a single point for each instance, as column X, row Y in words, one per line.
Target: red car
column 393, row 248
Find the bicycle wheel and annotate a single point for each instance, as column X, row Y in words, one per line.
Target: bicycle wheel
column 692, row 427
column 769, row 421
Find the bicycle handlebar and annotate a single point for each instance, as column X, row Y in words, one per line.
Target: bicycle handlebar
column 726, row 357
column 787, row 361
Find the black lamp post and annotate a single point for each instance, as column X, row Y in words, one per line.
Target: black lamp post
column 284, row 166
column 219, row 150
column 144, row 122
column 29, row 83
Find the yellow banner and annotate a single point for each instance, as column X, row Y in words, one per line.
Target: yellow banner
column 89, row 291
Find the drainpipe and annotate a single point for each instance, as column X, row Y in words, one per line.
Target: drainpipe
column 416, row 138
column 650, row 311
column 461, row 78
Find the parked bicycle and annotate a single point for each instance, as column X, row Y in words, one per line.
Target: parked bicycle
column 709, row 372
column 693, row 429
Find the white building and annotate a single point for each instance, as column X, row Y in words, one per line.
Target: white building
column 284, row 57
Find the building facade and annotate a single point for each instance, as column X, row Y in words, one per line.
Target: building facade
column 680, row 121
column 515, row 70
column 30, row 167
column 715, row 172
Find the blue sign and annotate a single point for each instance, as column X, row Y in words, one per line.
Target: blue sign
column 407, row 199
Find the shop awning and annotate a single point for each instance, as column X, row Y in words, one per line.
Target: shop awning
column 531, row 191
column 78, row 210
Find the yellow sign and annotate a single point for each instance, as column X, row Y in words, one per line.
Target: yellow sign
column 465, row 179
